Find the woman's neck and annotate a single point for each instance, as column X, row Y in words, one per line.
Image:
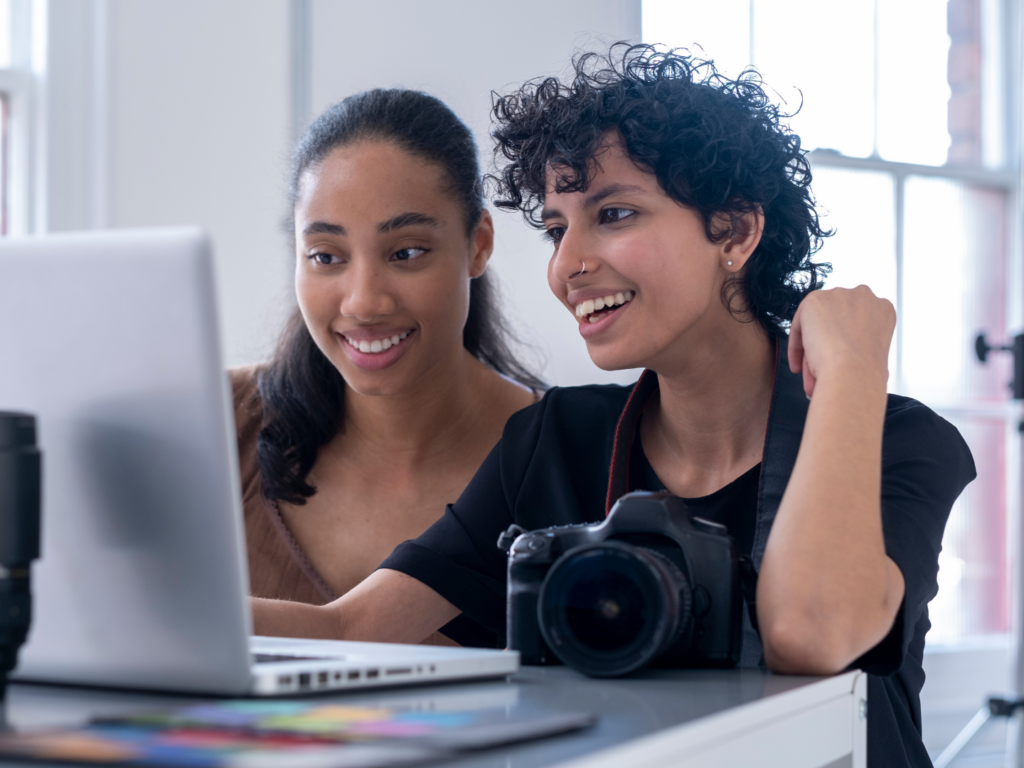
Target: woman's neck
column 707, row 424
column 424, row 423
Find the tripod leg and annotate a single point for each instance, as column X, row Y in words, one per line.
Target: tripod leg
column 1015, row 740
column 963, row 738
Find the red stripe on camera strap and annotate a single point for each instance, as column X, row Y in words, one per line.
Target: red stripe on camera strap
column 618, row 473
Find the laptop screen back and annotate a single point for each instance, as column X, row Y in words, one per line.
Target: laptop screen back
column 111, row 340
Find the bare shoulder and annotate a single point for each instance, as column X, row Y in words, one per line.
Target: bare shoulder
column 245, row 396
column 244, row 384
column 511, row 396
column 494, row 398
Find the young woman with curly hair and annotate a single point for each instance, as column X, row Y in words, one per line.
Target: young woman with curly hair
column 682, row 228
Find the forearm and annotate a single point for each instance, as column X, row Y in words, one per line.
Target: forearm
column 827, row 591
column 387, row 607
column 282, row 618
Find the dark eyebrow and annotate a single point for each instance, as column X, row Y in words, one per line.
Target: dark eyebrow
column 408, row 219
column 596, row 198
column 324, row 228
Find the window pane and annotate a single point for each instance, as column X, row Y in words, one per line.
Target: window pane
column 860, row 207
column 798, row 48
column 4, row 167
column 5, row 33
column 972, row 597
column 932, row 72
column 953, row 276
column 913, row 91
column 686, row 23
column 992, row 80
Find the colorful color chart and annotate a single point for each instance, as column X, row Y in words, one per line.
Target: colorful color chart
column 252, row 734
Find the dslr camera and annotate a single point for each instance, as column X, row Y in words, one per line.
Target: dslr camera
column 650, row 583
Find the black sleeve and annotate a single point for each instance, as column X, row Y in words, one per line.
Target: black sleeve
column 925, row 466
column 458, row 556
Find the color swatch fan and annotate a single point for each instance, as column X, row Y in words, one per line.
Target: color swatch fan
column 253, row 734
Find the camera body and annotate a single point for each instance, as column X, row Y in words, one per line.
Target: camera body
column 650, row 583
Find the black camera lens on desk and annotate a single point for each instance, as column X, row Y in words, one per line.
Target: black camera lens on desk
column 609, row 608
column 20, row 491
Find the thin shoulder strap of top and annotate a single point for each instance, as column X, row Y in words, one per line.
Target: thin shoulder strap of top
column 298, row 556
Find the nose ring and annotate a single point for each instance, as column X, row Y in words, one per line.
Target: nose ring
column 577, row 274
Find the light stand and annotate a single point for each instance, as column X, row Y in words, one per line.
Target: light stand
column 999, row 706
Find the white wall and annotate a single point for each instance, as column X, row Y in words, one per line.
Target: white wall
column 459, row 51
column 68, row 178
column 198, row 131
column 171, row 112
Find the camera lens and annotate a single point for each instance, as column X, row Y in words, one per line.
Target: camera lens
column 607, row 609
column 19, row 490
column 20, row 477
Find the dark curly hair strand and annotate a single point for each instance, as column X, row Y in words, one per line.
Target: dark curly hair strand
column 716, row 145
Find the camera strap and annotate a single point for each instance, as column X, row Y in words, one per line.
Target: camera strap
column 625, row 431
column 748, row 579
column 782, row 442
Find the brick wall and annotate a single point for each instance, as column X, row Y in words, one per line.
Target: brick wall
column 963, row 22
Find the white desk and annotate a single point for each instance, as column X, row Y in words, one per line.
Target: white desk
column 678, row 718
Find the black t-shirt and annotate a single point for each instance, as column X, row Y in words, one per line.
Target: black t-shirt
column 733, row 505
column 567, row 458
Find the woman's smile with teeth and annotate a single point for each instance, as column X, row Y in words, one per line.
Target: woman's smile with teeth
column 591, row 307
column 377, row 345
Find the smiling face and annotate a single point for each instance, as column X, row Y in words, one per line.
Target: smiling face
column 636, row 268
column 383, row 265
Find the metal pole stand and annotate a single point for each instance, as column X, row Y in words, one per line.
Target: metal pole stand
column 998, row 706
column 995, row 707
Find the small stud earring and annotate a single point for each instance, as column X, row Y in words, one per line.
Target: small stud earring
column 728, row 263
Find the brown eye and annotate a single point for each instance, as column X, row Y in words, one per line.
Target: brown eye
column 408, row 254
column 613, row 215
column 555, row 234
column 323, row 259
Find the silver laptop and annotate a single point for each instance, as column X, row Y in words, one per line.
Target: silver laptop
column 111, row 339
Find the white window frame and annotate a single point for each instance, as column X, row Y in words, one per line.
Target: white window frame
column 1001, row 32
column 1006, row 180
column 16, row 87
column 20, row 86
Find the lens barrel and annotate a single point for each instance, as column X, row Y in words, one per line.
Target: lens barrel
column 20, row 492
column 607, row 609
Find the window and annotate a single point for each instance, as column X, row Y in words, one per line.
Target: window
column 907, row 107
column 16, row 25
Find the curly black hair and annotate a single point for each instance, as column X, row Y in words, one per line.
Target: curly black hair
column 716, row 145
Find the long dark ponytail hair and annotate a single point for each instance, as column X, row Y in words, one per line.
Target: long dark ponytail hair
column 302, row 392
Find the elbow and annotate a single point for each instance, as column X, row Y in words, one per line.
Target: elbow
column 823, row 632
column 800, row 647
